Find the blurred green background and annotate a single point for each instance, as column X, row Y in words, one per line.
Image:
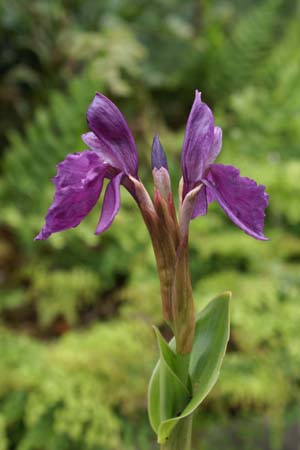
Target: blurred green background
column 76, row 343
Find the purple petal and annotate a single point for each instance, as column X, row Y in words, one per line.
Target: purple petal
column 203, row 199
column 110, row 127
column 78, row 185
column 241, row 198
column 106, row 153
column 200, row 208
column 159, row 158
column 198, row 140
column 111, row 204
column 216, row 146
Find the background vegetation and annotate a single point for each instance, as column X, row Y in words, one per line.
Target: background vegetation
column 76, row 343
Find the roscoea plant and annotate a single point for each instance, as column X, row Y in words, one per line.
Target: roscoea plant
column 189, row 364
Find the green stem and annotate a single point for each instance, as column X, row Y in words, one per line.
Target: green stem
column 181, row 436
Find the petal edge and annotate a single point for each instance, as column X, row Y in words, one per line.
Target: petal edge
column 242, row 199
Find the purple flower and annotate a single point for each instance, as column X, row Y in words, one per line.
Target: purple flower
column 113, row 155
column 241, row 198
column 79, row 180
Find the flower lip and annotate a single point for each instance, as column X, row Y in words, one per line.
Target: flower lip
column 78, row 186
column 241, row 198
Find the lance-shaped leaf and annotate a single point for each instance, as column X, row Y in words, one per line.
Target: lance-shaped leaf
column 169, row 393
column 211, row 337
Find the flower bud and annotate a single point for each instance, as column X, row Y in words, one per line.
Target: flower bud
column 159, row 158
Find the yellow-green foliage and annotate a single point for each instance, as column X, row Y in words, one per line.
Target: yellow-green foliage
column 72, row 393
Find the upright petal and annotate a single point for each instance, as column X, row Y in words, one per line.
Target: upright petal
column 110, row 127
column 78, row 185
column 241, row 198
column 111, row 204
column 198, row 140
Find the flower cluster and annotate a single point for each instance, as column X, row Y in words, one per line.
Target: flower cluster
column 112, row 155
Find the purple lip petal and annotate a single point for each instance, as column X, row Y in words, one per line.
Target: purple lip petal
column 198, row 140
column 78, row 185
column 111, row 204
column 108, row 124
column 241, row 198
column 159, row 158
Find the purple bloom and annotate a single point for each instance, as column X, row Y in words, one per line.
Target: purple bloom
column 80, row 176
column 241, row 198
column 113, row 155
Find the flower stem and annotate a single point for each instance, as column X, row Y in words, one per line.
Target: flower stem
column 181, row 436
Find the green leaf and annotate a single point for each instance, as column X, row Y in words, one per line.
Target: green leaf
column 168, row 394
column 211, row 337
column 154, row 399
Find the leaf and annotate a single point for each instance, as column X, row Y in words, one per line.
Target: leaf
column 169, row 394
column 154, row 399
column 211, row 337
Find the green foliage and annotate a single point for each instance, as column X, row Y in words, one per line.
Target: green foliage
column 131, row 49
column 31, row 58
column 179, row 384
column 266, row 106
column 241, row 50
column 72, row 393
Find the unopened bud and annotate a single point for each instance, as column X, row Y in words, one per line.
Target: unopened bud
column 162, row 182
column 159, row 158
